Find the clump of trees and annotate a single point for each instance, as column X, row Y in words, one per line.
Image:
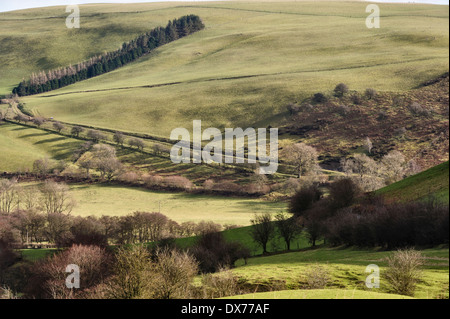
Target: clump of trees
column 213, row 252
column 101, row 157
column 389, row 225
column 349, row 217
column 370, row 175
column 97, row 65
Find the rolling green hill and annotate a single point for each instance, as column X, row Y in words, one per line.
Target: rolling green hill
column 320, row 294
column 248, row 63
column 432, row 182
column 345, row 268
column 21, row 146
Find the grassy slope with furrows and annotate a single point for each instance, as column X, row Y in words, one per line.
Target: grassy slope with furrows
column 20, row 146
column 250, row 61
column 432, row 182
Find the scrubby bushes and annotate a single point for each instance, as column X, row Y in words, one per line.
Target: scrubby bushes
column 48, row 277
column 304, row 199
column 340, row 90
column 403, row 272
column 319, row 98
column 418, row 110
column 213, row 252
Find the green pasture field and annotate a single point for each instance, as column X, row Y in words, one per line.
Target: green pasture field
column 249, row 62
column 346, row 268
column 20, row 146
column 101, row 200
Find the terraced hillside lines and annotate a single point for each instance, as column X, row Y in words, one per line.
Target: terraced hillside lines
column 432, row 182
column 47, row 95
column 20, row 146
column 249, row 62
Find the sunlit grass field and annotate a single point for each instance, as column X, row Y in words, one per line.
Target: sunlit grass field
column 248, row 63
column 20, row 146
column 346, row 268
column 319, row 294
column 101, row 200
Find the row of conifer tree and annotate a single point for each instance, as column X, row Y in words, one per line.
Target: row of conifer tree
column 109, row 61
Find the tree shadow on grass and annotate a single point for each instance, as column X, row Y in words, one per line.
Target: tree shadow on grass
column 20, row 128
column 34, row 135
column 50, row 140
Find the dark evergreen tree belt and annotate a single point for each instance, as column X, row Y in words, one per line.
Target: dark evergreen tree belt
column 55, row 79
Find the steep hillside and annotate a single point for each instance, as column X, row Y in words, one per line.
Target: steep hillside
column 249, row 62
column 414, row 122
column 434, row 181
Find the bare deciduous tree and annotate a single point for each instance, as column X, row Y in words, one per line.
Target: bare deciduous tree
column 303, row 157
column 394, row 166
column 96, row 136
column 58, row 126
column 173, row 273
column 263, row 230
column 287, row 228
column 404, row 271
column 56, row 198
column 76, row 130
column 8, row 195
column 138, row 143
column 364, row 171
column 130, row 268
column 119, row 138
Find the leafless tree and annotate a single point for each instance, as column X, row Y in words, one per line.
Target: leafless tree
column 119, row 138
column 38, row 121
column 394, row 166
column 172, row 275
column 56, row 198
column 130, row 273
column 8, row 195
column 96, row 136
column 76, row 130
column 365, row 171
column 138, row 143
column 287, row 228
column 303, row 157
column 263, row 230
column 404, row 271
column 58, row 126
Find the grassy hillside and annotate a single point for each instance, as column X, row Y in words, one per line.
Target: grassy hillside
column 346, row 268
column 181, row 207
column 249, row 62
column 320, row 294
column 434, row 182
column 20, row 146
